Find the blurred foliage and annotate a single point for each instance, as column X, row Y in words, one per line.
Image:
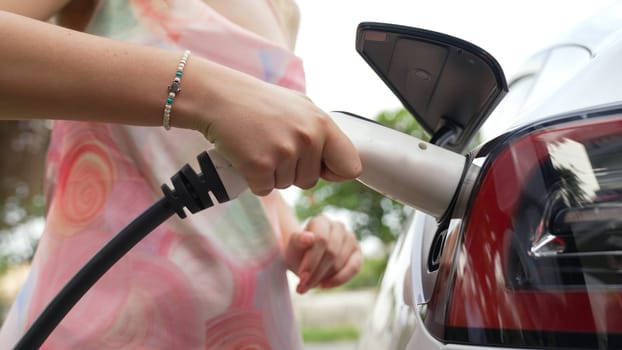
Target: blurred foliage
column 23, row 147
column 330, row 334
column 369, row 276
column 371, row 214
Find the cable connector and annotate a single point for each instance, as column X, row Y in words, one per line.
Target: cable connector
column 192, row 190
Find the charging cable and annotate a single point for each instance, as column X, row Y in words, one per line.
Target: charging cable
column 190, row 190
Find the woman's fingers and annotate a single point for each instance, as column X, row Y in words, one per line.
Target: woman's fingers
column 285, row 173
column 331, row 253
column 297, row 246
column 308, row 168
column 332, row 259
column 349, row 270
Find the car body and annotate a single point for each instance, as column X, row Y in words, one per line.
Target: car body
column 533, row 259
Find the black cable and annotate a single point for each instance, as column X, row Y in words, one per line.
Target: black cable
column 191, row 190
column 82, row 281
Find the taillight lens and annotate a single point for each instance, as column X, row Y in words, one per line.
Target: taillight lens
column 538, row 262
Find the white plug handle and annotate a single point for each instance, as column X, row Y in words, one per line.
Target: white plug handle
column 233, row 181
column 403, row 167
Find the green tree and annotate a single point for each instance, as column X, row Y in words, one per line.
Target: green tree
column 371, row 214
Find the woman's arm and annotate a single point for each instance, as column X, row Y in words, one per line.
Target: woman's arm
column 275, row 137
column 51, row 72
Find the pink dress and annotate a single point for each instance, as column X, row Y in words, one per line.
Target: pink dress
column 215, row 280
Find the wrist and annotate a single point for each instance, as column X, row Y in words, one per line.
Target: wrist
column 202, row 97
column 189, row 107
column 210, row 92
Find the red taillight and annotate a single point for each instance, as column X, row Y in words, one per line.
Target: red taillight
column 539, row 259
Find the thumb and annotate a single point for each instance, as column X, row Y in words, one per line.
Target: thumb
column 330, row 176
column 340, row 158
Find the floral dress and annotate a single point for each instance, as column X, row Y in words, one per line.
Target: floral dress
column 215, row 280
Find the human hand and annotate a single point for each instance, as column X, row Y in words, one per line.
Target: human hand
column 324, row 254
column 276, row 137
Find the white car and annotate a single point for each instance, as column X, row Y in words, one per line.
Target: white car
column 530, row 253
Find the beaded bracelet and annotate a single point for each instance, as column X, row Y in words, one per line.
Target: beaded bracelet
column 174, row 89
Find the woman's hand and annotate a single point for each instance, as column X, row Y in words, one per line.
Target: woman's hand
column 274, row 136
column 325, row 254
